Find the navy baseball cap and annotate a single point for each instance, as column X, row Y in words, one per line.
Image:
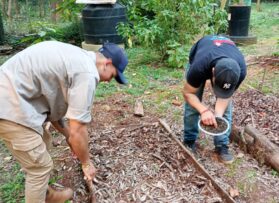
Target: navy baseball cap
column 227, row 73
column 119, row 59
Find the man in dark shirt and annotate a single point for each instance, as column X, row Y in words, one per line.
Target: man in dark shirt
column 218, row 59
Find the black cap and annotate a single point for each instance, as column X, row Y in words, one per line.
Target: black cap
column 119, row 59
column 227, row 73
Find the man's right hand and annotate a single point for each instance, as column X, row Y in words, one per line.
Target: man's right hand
column 89, row 171
column 208, row 118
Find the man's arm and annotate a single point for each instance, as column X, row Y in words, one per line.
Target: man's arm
column 189, row 93
column 77, row 137
column 78, row 140
column 221, row 106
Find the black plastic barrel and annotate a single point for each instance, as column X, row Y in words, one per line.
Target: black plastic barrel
column 100, row 21
column 239, row 20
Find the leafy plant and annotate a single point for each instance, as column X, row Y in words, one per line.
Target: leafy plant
column 43, row 31
column 69, row 10
column 171, row 26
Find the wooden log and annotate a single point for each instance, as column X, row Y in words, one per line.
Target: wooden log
column 138, row 110
column 253, row 142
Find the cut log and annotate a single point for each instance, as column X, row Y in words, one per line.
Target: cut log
column 253, row 142
column 138, row 111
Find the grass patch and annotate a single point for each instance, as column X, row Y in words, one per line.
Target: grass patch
column 265, row 23
column 13, row 190
column 233, row 168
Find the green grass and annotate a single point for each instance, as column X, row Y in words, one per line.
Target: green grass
column 233, row 168
column 265, row 23
column 12, row 191
column 142, row 75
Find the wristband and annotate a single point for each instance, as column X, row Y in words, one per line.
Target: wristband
column 84, row 166
column 204, row 111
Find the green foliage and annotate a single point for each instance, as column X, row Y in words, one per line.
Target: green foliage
column 42, row 31
column 274, row 173
column 54, row 180
column 11, row 191
column 171, row 26
column 69, row 10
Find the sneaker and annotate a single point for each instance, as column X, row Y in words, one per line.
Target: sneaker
column 191, row 145
column 224, row 154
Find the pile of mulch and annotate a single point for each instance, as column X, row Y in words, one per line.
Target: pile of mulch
column 137, row 161
column 261, row 111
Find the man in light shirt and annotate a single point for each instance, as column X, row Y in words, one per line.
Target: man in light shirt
column 51, row 81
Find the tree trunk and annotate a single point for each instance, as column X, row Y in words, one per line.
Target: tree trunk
column 53, row 13
column 2, row 37
column 9, row 13
column 258, row 5
column 41, row 8
column 223, row 4
column 253, row 142
column 17, row 9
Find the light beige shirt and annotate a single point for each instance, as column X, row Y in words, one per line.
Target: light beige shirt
column 48, row 81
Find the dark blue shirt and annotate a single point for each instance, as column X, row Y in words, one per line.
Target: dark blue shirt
column 204, row 55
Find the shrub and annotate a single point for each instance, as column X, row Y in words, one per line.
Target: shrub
column 171, row 26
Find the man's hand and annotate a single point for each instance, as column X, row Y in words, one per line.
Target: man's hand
column 89, row 171
column 208, row 118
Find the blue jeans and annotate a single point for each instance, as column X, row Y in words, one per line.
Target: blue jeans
column 191, row 118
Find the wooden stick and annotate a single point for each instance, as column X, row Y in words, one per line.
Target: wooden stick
column 225, row 196
column 92, row 196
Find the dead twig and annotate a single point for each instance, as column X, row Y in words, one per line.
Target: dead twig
column 161, row 159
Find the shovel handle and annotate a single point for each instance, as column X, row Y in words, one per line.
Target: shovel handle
column 92, row 196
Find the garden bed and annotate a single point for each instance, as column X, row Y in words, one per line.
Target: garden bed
column 137, row 161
